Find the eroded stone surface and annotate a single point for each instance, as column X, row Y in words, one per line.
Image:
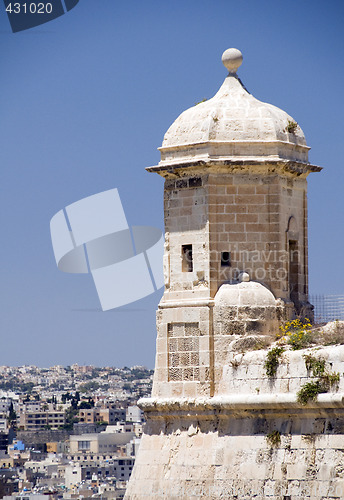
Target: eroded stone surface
column 230, row 458
column 233, row 124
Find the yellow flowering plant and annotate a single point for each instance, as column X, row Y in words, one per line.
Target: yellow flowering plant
column 296, row 333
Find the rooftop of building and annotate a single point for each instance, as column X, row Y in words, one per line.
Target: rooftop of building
column 233, row 125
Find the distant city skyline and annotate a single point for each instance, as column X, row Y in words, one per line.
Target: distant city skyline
column 85, row 102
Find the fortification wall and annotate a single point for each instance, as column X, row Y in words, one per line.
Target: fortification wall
column 246, row 443
column 224, row 458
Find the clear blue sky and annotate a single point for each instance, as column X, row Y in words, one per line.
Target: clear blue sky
column 85, row 101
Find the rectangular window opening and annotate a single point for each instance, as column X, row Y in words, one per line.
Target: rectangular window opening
column 187, row 264
column 225, row 259
column 294, row 273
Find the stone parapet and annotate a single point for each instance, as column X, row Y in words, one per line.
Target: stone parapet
column 243, row 444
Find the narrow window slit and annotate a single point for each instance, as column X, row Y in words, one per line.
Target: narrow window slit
column 225, row 259
column 187, row 264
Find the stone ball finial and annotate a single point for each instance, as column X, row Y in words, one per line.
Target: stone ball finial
column 232, row 59
column 243, row 276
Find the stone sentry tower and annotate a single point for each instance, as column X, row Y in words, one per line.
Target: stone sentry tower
column 235, row 264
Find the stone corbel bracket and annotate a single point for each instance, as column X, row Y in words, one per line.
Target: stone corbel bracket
column 190, row 167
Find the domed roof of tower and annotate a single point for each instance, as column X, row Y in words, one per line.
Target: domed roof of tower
column 233, row 125
column 246, row 293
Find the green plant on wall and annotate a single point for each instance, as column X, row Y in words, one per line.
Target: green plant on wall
column 331, row 380
column 315, row 365
column 291, row 127
column 309, row 392
column 325, row 380
column 199, row 102
column 274, row 438
column 272, row 360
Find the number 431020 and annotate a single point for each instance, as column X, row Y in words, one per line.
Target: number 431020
column 29, row 8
